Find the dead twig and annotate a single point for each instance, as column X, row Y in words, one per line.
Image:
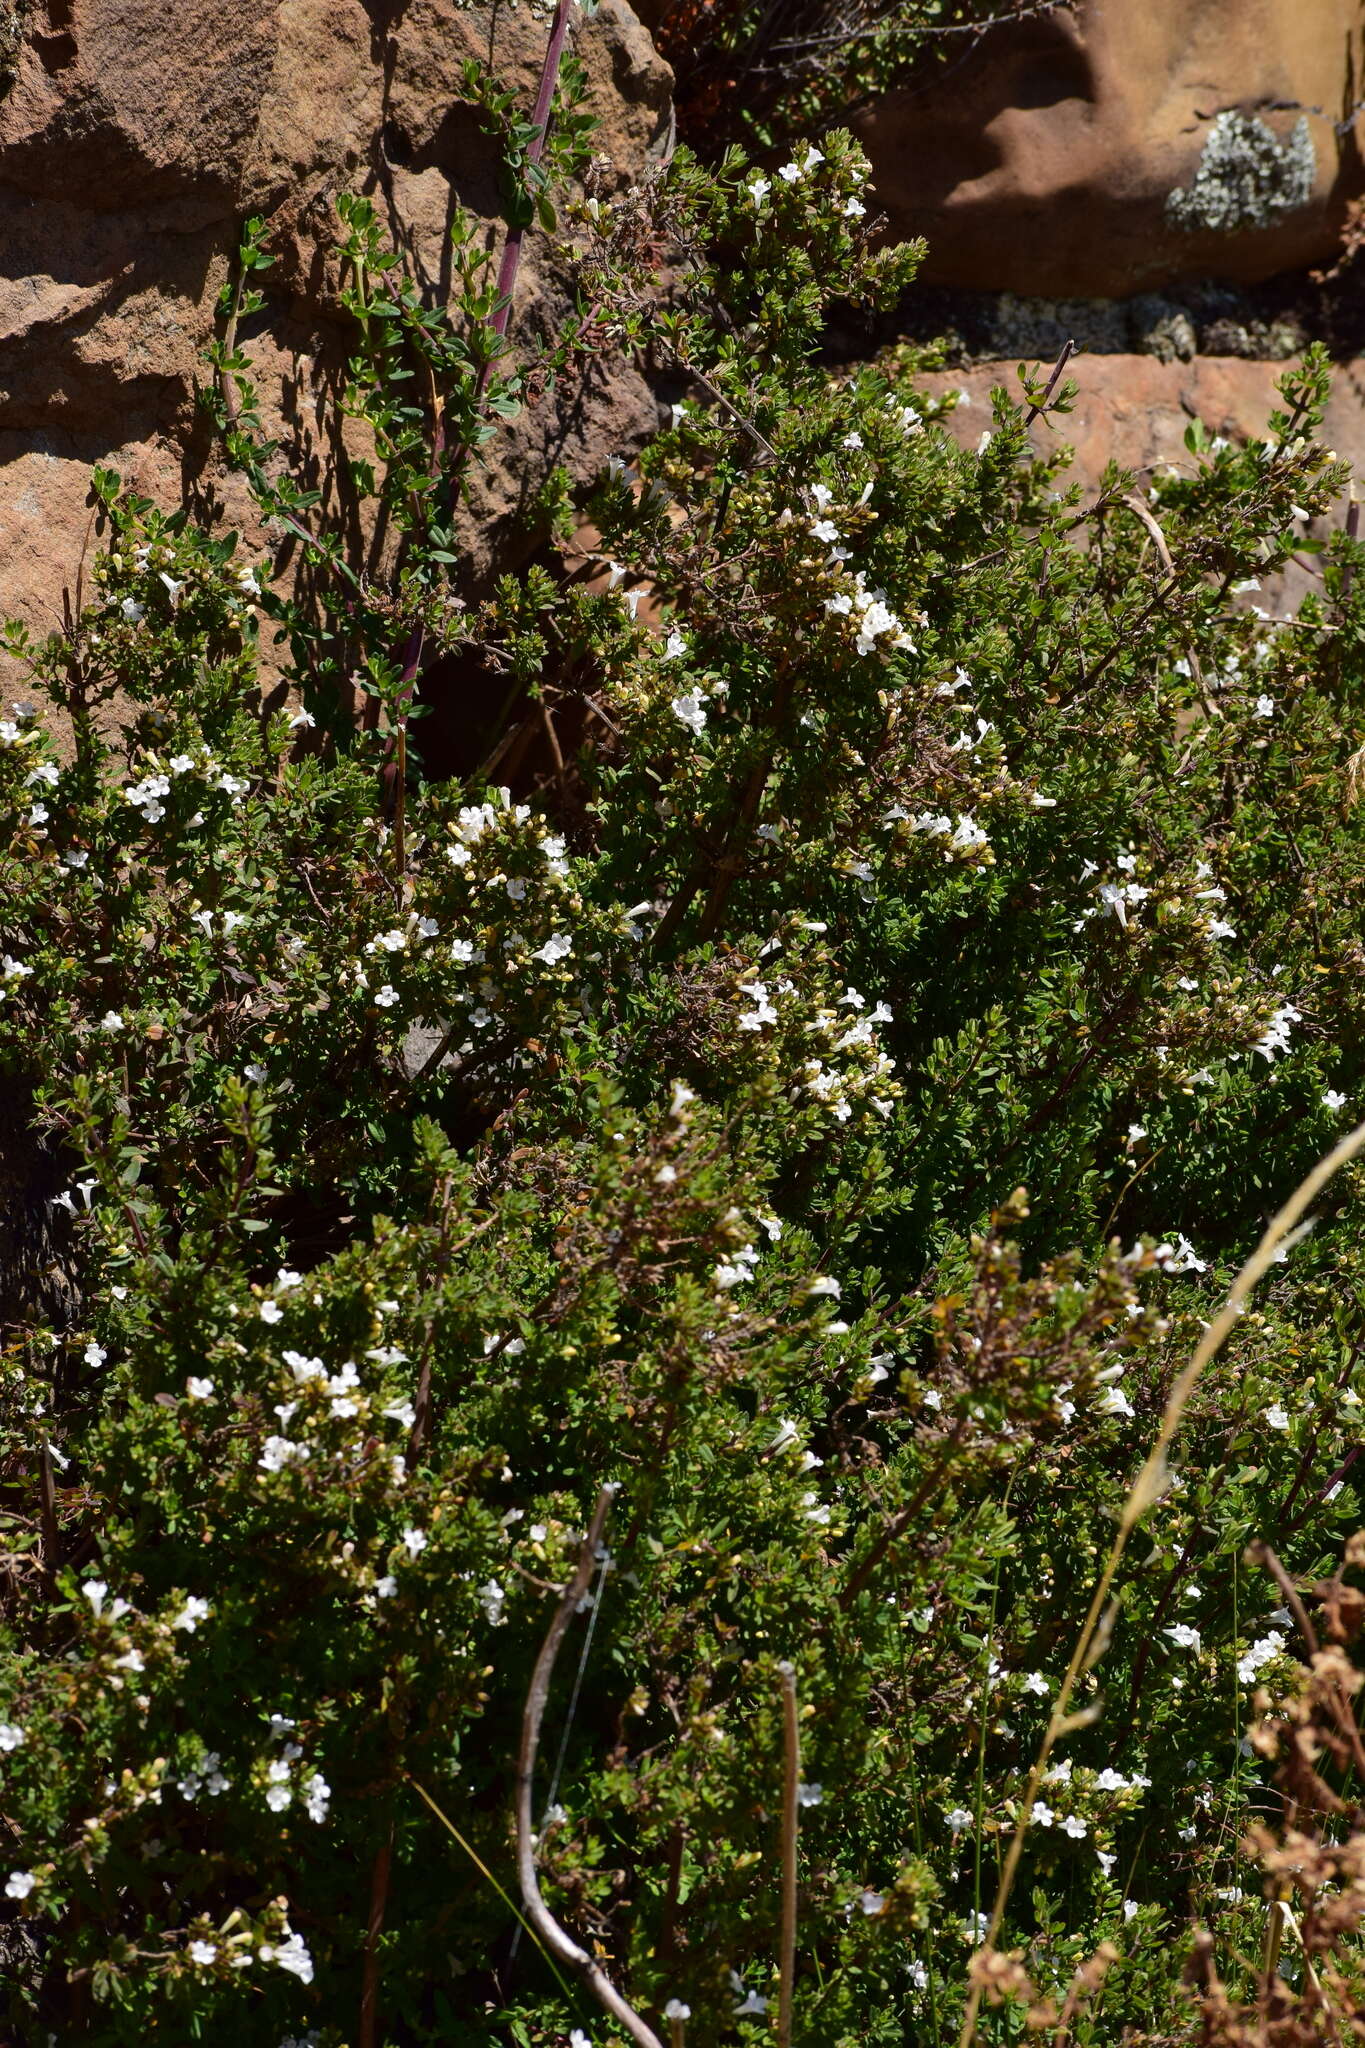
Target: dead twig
column 538, row 1914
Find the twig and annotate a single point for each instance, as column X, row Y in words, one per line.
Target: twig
column 1283, row 1229
column 47, row 1494
column 538, row 1913
column 791, row 1782
column 1135, row 505
column 1036, row 411
column 1352, row 531
column 379, row 1898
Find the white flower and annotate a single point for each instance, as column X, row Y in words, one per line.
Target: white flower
column 387, row 1587
column 872, row 1903
column 278, row 1451
column 111, row 1022
column 824, row 1284
column 191, row 1614
column 491, row 1597
column 132, row 611
column 958, row 1819
column 1110, row 1780
column 1042, row 1815
column 556, row 948
column 290, row 1955
column 1276, row 1417
column 94, row 1591
column 1183, row 1636
column 750, row 2005
column 1035, row 1682
column 270, row 1312
column 316, row 1794
column 1265, row 707
column 1074, row 1826
column 203, row 1952
column 386, row 997
column 690, row 710
column 854, row 209
column 414, row 1541
column 21, row 1883
column 810, row 1795
column 1333, row 1100
column 676, row 2010
column 758, row 189
column 675, row 645
column 11, row 1736
column 94, row 1354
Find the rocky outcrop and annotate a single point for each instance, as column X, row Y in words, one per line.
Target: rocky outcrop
column 133, row 142
column 1112, row 146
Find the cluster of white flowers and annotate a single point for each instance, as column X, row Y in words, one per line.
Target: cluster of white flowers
column 1275, row 1038
column 207, row 1775
column 290, row 1954
column 1262, row 1651
column 876, row 628
column 1181, row 1257
column 504, row 854
column 906, row 417
column 844, row 1070
column 962, row 837
column 804, row 159
column 20, row 730
column 1071, row 1824
column 145, row 795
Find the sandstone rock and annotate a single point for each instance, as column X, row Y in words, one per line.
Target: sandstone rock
column 133, row 143
column 1111, row 147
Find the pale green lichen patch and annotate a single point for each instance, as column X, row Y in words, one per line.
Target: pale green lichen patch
column 1248, row 177
column 13, row 15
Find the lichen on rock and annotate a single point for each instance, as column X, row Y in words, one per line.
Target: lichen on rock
column 1248, row 177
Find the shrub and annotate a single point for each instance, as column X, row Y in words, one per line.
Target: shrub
column 654, row 1111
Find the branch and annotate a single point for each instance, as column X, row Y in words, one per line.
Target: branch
column 538, row 1913
column 791, row 1787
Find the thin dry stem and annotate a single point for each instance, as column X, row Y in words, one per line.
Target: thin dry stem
column 538, row 1913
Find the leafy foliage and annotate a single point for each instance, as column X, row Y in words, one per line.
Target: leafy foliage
column 657, row 1109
